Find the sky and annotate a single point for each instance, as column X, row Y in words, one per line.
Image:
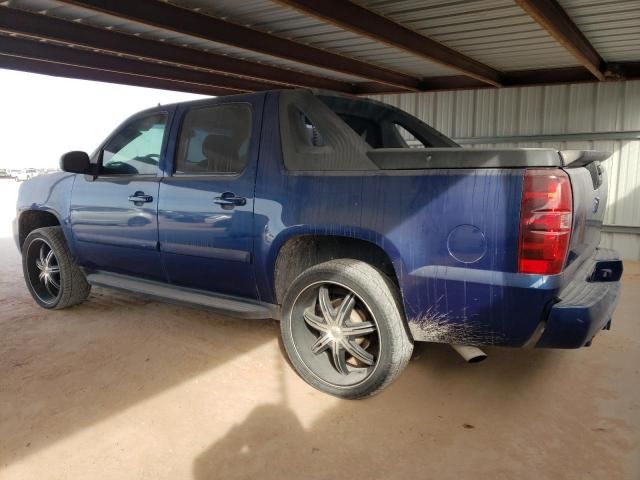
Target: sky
column 42, row 117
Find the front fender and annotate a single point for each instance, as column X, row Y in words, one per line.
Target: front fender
column 50, row 194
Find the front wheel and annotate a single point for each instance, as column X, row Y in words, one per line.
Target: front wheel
column 52, row 277
column 343, row 329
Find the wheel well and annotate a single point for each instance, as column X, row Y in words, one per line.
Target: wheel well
column 300, row 253
column 32, row 219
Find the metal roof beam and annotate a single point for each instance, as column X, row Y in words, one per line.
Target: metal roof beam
column 38, row 50
column 514, row 78
column 547, row 76
column 625, row 70
column 553, row 18
column 177, row 19
column 49, row 28
column 82, row 73
column 354, row 18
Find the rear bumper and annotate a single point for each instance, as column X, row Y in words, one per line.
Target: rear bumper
column 586, row 304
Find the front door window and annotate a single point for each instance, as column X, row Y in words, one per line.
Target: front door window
column 135, row 149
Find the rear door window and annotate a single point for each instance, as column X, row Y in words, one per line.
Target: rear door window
column 214, row 140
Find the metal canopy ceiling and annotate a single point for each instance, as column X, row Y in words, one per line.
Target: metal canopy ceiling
column 218, row 47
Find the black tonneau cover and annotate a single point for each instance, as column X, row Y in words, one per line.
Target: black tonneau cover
column 432, row 158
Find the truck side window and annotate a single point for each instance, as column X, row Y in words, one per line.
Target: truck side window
column 312, row 135
column 367, row 129
column 214, row 139
column 135, row 149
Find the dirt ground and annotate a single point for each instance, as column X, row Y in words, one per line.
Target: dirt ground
column 126, row 388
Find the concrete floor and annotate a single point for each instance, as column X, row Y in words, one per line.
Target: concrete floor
column 122, row 387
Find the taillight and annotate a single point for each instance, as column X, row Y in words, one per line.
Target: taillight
column 545, row 221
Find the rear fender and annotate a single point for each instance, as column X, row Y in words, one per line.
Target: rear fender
column 267, row 258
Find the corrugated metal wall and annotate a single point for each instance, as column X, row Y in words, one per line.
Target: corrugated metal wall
column 560, row 110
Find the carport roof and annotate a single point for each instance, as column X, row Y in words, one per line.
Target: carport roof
column 360, row 47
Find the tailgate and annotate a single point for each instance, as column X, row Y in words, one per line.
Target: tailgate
column 589, row 187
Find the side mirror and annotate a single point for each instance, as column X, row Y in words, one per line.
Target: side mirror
column 75, row 162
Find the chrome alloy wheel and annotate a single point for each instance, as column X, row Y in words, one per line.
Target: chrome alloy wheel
column 44, row 271
column 338, row 340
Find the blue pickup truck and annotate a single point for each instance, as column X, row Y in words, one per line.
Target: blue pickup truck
column 358, row 226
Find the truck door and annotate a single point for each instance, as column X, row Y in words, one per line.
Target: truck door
column 206, row 199
column 114, row 215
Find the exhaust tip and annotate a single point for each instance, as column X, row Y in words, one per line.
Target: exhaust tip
column 478, row 358
column 470, row 354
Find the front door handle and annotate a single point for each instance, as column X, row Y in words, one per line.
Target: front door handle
column 140, row 197
column 228, row 200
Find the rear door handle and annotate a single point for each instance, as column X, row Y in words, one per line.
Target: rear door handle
column 140, row 197
column 228, row 200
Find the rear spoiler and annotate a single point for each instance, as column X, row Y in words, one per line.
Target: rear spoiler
column 581, row 158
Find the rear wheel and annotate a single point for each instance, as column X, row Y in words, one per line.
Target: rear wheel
column 53, row 279
column 343, row 330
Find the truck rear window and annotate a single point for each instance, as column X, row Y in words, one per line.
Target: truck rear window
column 336, row 133
column 383, row 126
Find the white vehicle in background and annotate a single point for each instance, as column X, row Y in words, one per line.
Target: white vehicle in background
column 26, row 174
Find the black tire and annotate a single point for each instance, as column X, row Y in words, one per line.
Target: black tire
column 374, row 300
column 60, row 269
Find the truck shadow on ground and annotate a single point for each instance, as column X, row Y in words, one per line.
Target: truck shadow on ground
column 438, row 401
